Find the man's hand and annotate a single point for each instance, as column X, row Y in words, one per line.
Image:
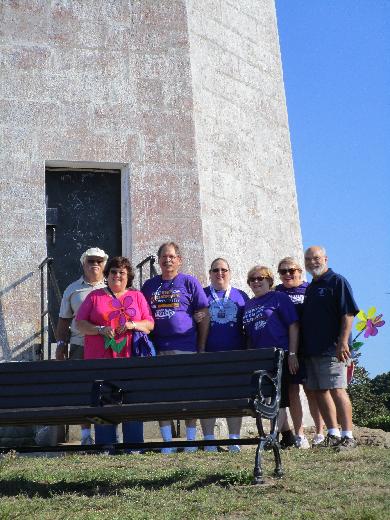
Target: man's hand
column 61, row 351
column 293, row 364
column 342, row 351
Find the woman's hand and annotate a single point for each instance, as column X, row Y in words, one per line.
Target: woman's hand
column 129, row 325
column 199, row 316
column 293, row 364
column 107, row 331
column 142, row 325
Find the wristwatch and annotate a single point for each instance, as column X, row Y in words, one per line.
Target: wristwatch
column 100, row 329
column 61, row 343
column 292, row 354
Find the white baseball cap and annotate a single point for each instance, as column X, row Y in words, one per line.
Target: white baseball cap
column 93, row 251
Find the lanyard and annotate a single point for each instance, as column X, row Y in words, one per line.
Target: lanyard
column 220, row 301
column 157, row 292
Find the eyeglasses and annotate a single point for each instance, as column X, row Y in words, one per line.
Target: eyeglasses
column 117, row 271
column 95, row 260
column 289, row 271
column 217, row 269
column 254, row 279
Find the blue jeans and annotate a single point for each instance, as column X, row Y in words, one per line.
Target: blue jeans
column 133, row 431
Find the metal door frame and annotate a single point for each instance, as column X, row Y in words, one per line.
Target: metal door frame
column 125, row 191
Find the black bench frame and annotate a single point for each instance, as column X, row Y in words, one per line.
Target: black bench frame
column 108, row 391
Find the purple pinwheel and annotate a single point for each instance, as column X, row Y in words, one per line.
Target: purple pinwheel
column 372, row 326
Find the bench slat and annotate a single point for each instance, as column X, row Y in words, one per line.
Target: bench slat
column 118, row 413
column 88, row 374
column 105, row 364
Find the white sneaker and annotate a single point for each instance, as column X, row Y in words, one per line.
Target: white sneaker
column 234, row 448
column 302, row 443
column 87, row 441
column 317, row 439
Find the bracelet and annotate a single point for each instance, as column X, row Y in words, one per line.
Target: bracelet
column 62, row 343
column 292, row 354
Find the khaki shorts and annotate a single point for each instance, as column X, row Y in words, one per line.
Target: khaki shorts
column 325, row 373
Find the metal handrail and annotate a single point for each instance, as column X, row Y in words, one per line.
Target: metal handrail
column 51, row 281
column 151, row 259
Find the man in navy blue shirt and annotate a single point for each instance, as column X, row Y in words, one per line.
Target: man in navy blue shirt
column 328, row 313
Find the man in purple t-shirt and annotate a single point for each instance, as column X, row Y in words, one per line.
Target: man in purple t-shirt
column 173, row 298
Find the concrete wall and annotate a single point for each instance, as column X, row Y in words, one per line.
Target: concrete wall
column 249, row 204
column 184, row 96
column 93, row 82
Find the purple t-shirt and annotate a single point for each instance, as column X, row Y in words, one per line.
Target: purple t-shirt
column 173, row 303
column 296, row 295
column 226, row 330
column 267, row 319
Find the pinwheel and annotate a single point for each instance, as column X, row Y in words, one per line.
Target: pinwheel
column 368, row 323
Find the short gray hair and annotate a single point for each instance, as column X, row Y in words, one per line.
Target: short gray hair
column 321, row 248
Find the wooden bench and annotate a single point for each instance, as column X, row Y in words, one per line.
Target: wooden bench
column 109, row 391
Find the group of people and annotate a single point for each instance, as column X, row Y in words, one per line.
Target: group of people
column 310, row 322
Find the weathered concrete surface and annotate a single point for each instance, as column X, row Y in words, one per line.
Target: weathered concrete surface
column 93, row 82
column 187, row 95
column 248, row 197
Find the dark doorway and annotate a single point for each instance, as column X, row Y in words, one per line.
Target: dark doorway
column 83, row 210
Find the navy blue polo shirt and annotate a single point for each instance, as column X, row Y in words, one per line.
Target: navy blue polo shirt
column 327, row 300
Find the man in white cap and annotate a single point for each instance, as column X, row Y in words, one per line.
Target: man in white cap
column 93, row 262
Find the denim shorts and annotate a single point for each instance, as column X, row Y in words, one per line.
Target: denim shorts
column 325, row 373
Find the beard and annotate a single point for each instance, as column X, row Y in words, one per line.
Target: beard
column 317, row 271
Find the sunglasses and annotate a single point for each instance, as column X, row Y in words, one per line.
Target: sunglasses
column 95, row 260
column 289, row 271
column 217, row 269
column 254, row 279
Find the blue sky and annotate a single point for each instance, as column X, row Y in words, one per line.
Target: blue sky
column 335, row 56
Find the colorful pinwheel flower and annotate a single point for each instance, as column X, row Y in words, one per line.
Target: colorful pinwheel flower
column 123, row 311
column 368, row 323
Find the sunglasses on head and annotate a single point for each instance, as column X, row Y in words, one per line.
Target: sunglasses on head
column 217, row 269
column 254, row 279
column 95, row 260
column 290, row 271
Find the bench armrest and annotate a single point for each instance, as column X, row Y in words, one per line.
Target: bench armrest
column 267, row 406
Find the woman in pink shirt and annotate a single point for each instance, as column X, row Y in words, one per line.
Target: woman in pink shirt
column 107, row 318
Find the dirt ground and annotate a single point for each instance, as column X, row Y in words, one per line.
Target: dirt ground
column 370, row 437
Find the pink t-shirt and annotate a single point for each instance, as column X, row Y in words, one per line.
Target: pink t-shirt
column 100, row 308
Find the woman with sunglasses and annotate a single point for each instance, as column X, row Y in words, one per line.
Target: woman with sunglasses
column 226, row 308
column 290, row 273
column 107, row 318
column 271, row 320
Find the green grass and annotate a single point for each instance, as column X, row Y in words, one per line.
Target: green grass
column 323, row 484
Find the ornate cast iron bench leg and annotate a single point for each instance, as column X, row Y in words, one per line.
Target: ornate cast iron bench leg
column 258, row 470
column 266, row 405
column 278, row 473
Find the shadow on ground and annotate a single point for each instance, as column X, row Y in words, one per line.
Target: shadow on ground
column 182, row 479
